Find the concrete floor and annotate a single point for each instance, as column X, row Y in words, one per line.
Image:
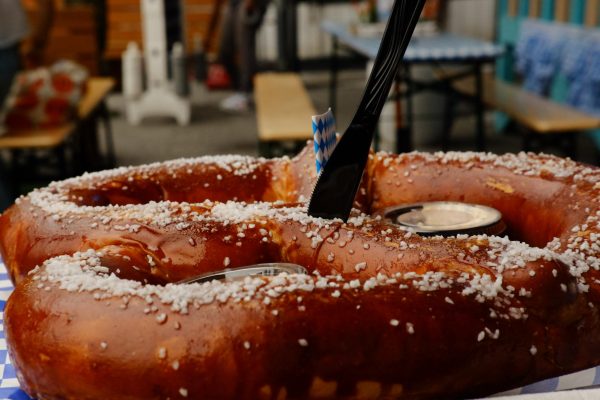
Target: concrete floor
column 213, row 131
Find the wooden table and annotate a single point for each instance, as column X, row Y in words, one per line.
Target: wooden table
column 439, row 49
column 97, row 90
column 79, row 136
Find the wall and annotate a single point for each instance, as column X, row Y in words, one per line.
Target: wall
column 474, row 18
column 312, row 42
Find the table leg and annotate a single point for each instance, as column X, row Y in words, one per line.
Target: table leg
column 404, row 128
column 265, row 149
column 75, row 144
column 61, row 155
column 90, row 148
column 15, row 154
column 448, row 116
column 281, row 35
column 528, row 140
column 571, row 144
column 292, row 26
column 479, row 109
column 7, row 186
column 333, row 75
column 286, row 33
column 400, row 134
column 111, row 158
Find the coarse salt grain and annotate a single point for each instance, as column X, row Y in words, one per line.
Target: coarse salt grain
column 161, row 318
column 162, row 353
column 563, row 287
column 360, row 266
column 481, row 336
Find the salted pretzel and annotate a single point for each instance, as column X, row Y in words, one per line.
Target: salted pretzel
column 382, row 312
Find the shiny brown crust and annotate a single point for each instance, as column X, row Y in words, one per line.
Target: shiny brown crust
column 384, row 313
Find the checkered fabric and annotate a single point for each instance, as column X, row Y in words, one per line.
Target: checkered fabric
column 449, row 48
column 9, row 386
column 581, row 66
column 443, row 47
column 324, row 137
column 539, row 52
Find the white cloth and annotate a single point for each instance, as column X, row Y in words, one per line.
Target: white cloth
column 13, row 23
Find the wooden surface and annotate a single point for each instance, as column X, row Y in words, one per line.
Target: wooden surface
column 561, row 10
column 124, row 24
column 283, row 108
column 592, row 13
column 513, row 6
column 535, row 7
column 73, row 35
column 197, row 20
column 97, row 90
column 535, row 112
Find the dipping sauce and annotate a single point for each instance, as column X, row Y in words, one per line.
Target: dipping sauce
column 446, row 218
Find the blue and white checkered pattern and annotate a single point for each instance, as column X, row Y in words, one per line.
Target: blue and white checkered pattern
column 425, row 49
column 10, row 390
column 581, row 66
column 450, row 50
column 577, row 380
column 9, row 386
column 545, row 48
column 539, row 53
column 324, row 137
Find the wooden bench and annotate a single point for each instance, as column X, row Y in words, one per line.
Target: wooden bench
column 283, row 111
column 541, row 118
column 510, row 16
column 80, row 136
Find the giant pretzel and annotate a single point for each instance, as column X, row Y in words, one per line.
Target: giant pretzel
column 383, row 313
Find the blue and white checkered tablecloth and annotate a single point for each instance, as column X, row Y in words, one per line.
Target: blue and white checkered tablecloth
column 10, row 390
column 443, row 47
column 9, row 386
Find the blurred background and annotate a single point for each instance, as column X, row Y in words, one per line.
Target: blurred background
column 88, row 85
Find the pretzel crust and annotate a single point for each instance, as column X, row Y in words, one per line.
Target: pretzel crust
column 383, row 312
